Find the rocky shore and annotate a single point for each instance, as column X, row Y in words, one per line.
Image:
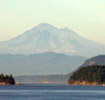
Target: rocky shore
column 3, row 83
column 84, row 83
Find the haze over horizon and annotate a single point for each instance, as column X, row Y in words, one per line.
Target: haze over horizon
column 87, row 18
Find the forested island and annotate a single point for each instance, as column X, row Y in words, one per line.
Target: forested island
column 7, row 80
column 89, row 75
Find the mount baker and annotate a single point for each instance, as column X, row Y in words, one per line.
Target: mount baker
column 47, row 38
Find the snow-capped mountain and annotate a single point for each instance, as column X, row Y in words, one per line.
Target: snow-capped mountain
column 47, row 38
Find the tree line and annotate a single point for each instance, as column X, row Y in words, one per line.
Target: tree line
column 93, row 73
column 7, row 79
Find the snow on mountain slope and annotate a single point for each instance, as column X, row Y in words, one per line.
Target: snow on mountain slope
column 47, row 38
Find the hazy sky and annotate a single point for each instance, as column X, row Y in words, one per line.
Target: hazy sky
column 86, row 17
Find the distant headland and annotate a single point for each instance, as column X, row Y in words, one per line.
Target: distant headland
column 89, row 75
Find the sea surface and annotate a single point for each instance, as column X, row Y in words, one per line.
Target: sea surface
column 52, row 92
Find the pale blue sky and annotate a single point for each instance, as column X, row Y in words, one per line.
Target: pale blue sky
column 86, row 17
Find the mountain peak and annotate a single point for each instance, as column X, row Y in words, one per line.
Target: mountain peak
column 45, row 25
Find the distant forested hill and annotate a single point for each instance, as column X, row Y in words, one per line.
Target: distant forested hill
column 39, row 64
column 49, row 79
column 97, row 60
column 89, row 75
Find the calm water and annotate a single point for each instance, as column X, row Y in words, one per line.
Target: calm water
column 52, row 92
